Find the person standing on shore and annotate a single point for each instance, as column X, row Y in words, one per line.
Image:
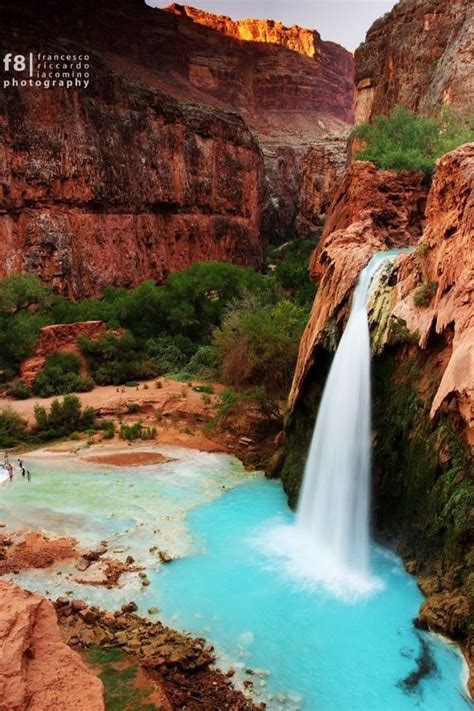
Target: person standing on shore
column 28, row 475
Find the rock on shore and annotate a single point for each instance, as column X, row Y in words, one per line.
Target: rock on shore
column 38, row 671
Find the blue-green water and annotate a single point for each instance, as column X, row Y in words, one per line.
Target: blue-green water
column 321, row 654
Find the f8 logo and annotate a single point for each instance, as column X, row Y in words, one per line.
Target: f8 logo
column 18, row 61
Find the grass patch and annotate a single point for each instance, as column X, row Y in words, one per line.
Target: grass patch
column 121, row 694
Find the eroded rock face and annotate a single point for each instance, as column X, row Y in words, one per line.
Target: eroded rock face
column 371, row 211
column 320, row 168
column 443, row 265
column 185, row 147
column 138, row 188
column 420, row 56
column 38, row 671
column 59, row 338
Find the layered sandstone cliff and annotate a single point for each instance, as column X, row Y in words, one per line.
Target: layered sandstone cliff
column 420, row 56
column 185, row 147
column 38, row 671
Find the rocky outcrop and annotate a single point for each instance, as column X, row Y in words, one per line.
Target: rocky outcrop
column 185, row 147
column 320, row 168
column 38, row 671
column 442, row 269
column 420, row 56
column 59, row 338
column 371, row 211
column 179, row 665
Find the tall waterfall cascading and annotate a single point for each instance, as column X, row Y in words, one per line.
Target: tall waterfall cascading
column 329, row 542
column 333, row 509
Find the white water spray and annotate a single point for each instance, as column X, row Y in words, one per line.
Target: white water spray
column 329, row 543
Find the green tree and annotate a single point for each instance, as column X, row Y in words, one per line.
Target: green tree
column 13, row 428
column 257, row 343
column 63, row 418
column 60, row 375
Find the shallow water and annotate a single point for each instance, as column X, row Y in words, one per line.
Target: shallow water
column 322, row 654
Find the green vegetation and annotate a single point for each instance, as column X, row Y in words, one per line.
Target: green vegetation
column 136, row 431
column 13, row 429
column 19, row 391
column 403, row 141
column 61, row 375
column 257, row 344
column 292, row 270
column 113, row 360
column 63, row 418
column 121, row 691
column 108, row 428
column 424, row 293
column 429, row 493
column 24, row 309
column 214, row 319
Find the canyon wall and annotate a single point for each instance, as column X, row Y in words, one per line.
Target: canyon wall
column 185, row 147
column 420, row 56
column 38, row 671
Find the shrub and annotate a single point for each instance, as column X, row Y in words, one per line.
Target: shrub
column 83, row 384
column 208, row 389
column 403, row 141
column 133, row 408
column 424, row 293
column 20, row 391
column 258, row 344
column 114, row 360
column 231, row 403
column 63, row 418
column 61, row 375
column 203, row 362
column 165, row 354
column 108, row 428
column 292, row 270
column 13, row 429
column 137, row 431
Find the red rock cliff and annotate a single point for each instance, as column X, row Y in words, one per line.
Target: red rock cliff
column 153, row 167
column 38, row 671
column 371, row 211
column 420, row 56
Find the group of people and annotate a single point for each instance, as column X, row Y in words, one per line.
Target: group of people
column 11, row 471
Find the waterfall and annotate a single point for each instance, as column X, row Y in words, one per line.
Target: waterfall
column 329, row 542
column 333, row 510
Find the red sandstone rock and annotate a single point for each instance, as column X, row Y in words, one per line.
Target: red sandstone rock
column 320, row 168
column 159, row 163
column 371, row 211
column 61, row 338
column 375, row 210
column 38, row 671
column 420, row 55
column 445, row 259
